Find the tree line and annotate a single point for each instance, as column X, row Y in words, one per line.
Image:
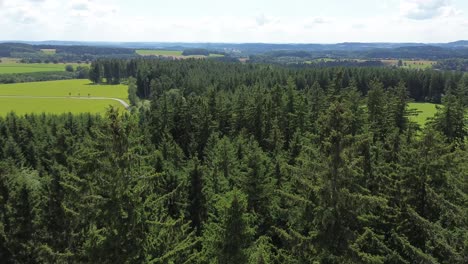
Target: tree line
column 154, row 77
column 80, row 72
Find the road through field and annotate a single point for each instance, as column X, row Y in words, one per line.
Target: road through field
column 125, row 104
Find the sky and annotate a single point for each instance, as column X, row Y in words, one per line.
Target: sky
column 238, row 21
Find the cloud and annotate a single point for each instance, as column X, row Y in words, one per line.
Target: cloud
column 426, row 9
column 312, row 23
column 104, row 20
column 320, row 20
column 80, row 6
column 359, row 26
column 262, row 20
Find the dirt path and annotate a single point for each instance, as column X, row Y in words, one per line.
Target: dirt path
column 122, row 102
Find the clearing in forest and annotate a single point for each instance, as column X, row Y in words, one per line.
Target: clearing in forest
column 425, row 111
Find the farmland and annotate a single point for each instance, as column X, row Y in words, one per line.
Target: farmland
column 77, row 97
column 6, row 68
column 64, row 88
column 48, row 51
column 174, row 53
column 411, row 64
column 11, row 65
column 159, row 52
column 54, row 106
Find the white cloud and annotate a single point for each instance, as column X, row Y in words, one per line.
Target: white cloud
column 427, row 9
column 103, row 20
column 262, row 20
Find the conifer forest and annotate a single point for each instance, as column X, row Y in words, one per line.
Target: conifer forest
column 231, row 163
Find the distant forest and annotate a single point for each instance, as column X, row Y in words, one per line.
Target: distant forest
column 242, row 163
column 257, row 52
column 154, row 77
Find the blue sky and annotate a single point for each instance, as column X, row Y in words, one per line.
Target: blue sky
column 291, row 21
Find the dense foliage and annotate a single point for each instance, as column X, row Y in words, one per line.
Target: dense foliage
column 188, row 52
column 408, row 52
column 236, row 163
column 194, row 76
column 452, row 65
column 33, row 53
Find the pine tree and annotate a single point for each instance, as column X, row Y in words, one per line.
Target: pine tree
column 197, row 201
column 233, row 234
column 95, row 73
column 450, row 119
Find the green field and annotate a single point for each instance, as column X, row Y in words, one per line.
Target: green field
column 48, row 51
column 411, row 64
column 159, row 52
column 65, row 88
column 426, row 110
column 8, row 60
column 55, row 106
column 213, row 55
column 173, row 53
column 6, row 68
column 75, row 88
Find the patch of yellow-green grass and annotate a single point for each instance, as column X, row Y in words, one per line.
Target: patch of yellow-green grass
column 411, row 64
column 213, row 55
column 8, row 68
column 54, row 105
column 8, row 60
column 65, row 88
column 48, row 51
column 159, row 52
column 424, row 110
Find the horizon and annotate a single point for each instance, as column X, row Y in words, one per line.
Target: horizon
column 210, row 21
column 235, row 43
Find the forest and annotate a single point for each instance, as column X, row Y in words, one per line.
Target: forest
column 71, row 53
column 242, row 163
column 452, row 65
column 154, row 77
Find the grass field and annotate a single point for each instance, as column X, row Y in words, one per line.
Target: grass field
column 411, row 64
column 75, row 88
column 55, row 106
column 212, row 55
column 48, row 51
column 159, row 52
column 174, row 53
column 65, row 88
column 8, row 60
column 12, row 65
column 426, row 110
column 6, row 68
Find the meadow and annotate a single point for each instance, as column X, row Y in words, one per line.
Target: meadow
column 48, row 51
column 77, row 90
column 7, row 68
column 65, row 88
column 54, row 105
column 425, row 111
column 174, row 53
column 159, row 52
column 411, row 64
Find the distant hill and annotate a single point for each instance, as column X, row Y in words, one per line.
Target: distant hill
column 460, row 43
column 457, row 49
column 250, row 48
